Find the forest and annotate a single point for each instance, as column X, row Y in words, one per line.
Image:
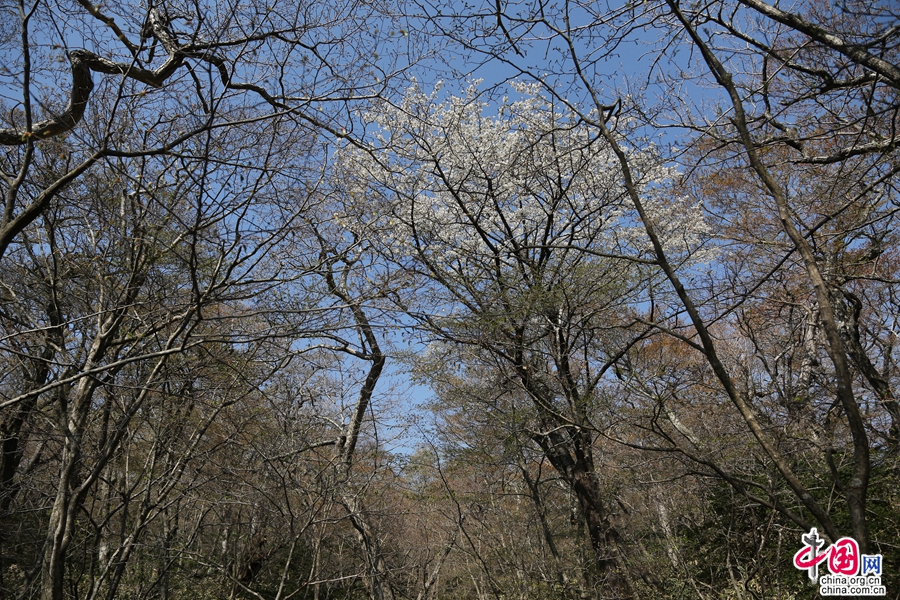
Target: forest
column 449, row 300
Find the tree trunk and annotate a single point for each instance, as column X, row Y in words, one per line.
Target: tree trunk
column 577, row 469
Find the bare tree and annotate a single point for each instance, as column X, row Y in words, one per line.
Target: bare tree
column 143, row 177
column 150, row 78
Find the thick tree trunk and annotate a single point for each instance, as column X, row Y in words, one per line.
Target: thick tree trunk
column 577, row 469
column 568, row 447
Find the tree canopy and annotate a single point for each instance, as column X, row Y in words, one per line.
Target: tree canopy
column 448, row 300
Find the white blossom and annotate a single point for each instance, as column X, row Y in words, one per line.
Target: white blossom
column 470, row 182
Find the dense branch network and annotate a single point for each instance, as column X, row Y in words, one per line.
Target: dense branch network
column 84, row 63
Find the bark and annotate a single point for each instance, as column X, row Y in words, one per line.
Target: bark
column 67, row 501
column 430, row 583
column 72, row 487
column 82, row 85
column 12, row 441
column 541, row 511
column 376, row 568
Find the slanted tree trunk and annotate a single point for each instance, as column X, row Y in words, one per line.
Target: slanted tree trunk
column 376, row 569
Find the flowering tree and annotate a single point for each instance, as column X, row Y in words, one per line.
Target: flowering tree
column 792, row 112
column 526, row 260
